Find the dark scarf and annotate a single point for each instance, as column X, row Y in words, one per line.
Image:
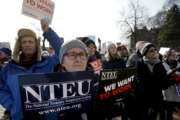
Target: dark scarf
column 172, row 63
column 28, row 61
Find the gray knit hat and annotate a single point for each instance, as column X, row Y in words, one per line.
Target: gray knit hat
column 69, row 45
column 145, row 48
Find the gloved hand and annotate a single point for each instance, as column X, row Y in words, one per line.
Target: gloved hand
column 45, row 24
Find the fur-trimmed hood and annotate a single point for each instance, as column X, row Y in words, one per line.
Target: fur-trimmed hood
column 24, row 32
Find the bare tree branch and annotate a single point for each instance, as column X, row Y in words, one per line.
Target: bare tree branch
column 132, row 19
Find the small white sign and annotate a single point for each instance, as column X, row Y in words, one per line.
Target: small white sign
column 38, row 9
column 163, row 50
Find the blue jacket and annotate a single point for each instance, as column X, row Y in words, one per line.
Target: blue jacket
column 9, row 89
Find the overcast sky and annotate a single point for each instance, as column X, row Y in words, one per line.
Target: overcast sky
column 72, row 18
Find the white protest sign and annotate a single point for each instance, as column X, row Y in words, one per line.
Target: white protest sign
column 38, row 9
column 163, row 50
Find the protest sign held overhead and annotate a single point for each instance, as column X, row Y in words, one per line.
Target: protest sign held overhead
column 56, row 92
column 38, row 9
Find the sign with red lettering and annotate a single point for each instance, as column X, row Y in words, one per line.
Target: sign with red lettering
column 38, row 9
column 115, row 83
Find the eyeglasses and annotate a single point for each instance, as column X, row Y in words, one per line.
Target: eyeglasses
column 73, row 55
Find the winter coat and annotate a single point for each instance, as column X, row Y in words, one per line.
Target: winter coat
column 149, row 84
column 78, row 115
column 114, row 64
column 133, row 59
column 9, row 90
column 172, row 93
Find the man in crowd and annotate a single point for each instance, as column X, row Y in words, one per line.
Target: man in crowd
column 26, row 59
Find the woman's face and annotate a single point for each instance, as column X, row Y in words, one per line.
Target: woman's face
column 91, row 49
column 123, row 52
column 152, row 53
column 75, row 60
column 112, row 50
column 172, row 56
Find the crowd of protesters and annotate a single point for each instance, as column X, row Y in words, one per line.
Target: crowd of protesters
column 156, row 92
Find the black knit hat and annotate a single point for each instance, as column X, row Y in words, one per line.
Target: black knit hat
column 87, row 41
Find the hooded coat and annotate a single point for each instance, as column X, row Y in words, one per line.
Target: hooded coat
column 9, row 89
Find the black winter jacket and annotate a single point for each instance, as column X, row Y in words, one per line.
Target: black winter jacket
column 149, row 84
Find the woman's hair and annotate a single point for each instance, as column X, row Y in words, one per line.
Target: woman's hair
column 168, row 54
column 111, row 57
column 121, row 47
